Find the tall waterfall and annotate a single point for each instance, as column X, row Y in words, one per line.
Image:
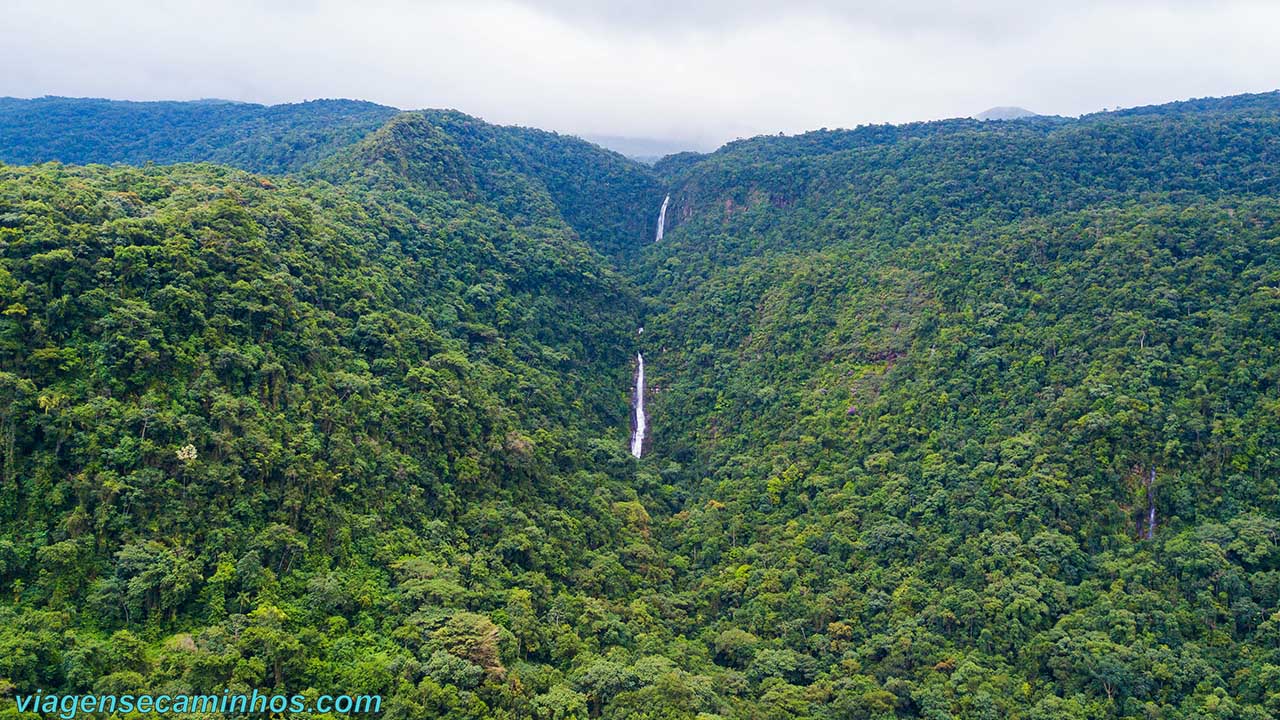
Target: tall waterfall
column 637, row 437
column 642, row 422
column 662, row 219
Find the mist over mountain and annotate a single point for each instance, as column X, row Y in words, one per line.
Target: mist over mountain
column 942, row 419
column 646, row 150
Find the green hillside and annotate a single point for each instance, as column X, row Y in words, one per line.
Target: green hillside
column 923, row 388
column 260, row 432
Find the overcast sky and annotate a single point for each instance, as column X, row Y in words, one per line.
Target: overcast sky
column 699, row 72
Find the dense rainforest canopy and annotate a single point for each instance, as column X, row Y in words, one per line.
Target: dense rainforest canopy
column 952, row 419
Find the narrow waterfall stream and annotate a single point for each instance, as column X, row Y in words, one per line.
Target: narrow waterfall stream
column 662, row 218
column 641, row 423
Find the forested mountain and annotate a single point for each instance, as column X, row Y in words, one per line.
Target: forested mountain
column 952, row 419
column 601, row 194
column 256, row 137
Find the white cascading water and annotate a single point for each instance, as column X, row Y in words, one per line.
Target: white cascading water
column 662, row 218
column 641, row 422
column 637, row 437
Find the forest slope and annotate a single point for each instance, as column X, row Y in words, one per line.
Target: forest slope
column 260, row 432
column 980, row 419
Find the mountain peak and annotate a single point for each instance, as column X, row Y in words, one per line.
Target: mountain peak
column 1005, row 112
column 407, row 149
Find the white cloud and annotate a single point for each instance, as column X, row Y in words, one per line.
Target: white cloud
column 703, row 72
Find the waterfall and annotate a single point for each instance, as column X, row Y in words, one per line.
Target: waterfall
column 662, row 219
column 637, row 437
column 641, row 422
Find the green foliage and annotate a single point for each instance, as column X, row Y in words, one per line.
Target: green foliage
column 951, row 419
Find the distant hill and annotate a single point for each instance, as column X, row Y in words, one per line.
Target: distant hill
column 646, row 150
column 1005, row 112
column 262, row 138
